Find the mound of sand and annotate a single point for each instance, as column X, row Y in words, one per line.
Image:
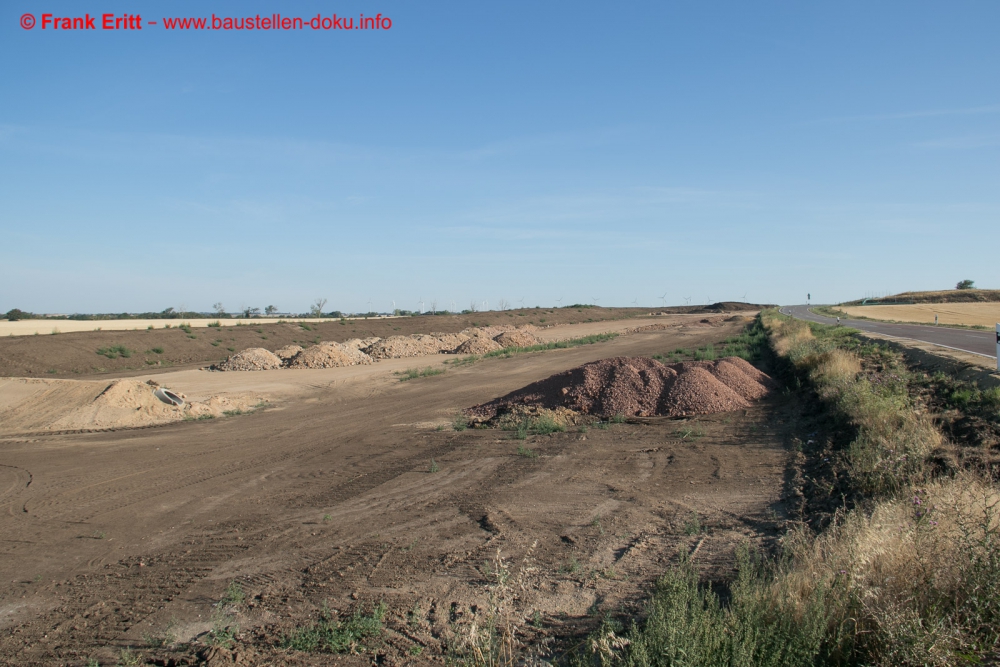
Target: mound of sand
column 252, row 359
column 516, row 339
column 491, row 331
column 287, row 352
column 329, row 355
column 70, row 405
column 478, row 345
column 395, row 347
column 639, row 386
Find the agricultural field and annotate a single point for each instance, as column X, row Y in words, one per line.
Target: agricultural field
column 983, row 314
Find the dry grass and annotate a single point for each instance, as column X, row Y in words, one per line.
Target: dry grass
column 916, row 579
column 967, row 314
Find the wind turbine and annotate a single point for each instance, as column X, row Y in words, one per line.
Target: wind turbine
column 369, row 304
column 744, row 297
column 521, row 301
column 421, row 300
column 663, row 300
column 687, row 301
column 594, row 299
column 635, row 301
column 559, row 301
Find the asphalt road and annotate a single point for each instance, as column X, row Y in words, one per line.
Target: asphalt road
column 978, row 342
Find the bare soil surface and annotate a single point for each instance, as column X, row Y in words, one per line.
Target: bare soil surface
column 130, row 538
column 75, row 355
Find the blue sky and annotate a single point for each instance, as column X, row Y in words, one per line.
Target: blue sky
column 478, row 151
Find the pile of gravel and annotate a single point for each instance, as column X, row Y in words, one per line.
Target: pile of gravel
column 395, row 347
column 639, row 386
column 252, row 359
column 450, row 341
column 478, row 345
column 361, row 343
column 329, row 355
column 516, row 339
column 286, row 353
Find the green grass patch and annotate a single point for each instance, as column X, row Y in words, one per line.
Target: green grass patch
column 328, row 635
column 115, row 351
column 414, row 373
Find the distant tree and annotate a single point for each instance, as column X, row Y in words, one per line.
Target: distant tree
column 270, row 310
column 219, row 309
column 503, row 304
column 15, row 314
column 316, row 309
column 965, row 284
column 251, row 312
column 473, row 306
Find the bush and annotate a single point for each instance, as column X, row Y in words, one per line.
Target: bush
column 330, row 636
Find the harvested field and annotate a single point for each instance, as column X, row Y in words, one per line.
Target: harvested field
column 253, row 359
column 328, row 499
column 329, row 355
column 516, row 339
column 985, row 314
column 639, row 387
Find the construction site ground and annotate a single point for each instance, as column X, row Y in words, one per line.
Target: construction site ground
column 353, row 489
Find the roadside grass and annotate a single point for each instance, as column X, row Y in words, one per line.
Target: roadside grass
column 328, row 635
column 115, row 351
column 509, row 352
column 907, row 573
column 414, row 373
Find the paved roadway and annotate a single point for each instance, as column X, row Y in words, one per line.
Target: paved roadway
column 968, row 340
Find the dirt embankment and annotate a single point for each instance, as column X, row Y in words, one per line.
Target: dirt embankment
column 74, row 355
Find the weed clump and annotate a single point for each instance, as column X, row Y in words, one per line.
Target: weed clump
column 328, row 635
column 115, row 351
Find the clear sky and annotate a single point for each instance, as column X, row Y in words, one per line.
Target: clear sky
column 484, row 150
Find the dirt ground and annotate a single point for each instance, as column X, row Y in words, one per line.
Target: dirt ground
column 75, row 355
column 968, row 314
column 356, row 490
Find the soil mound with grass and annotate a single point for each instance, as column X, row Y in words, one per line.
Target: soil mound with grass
column 519, row 338
column 638, row 387
column 252, row 359
column 478, row 345
column 329, row 355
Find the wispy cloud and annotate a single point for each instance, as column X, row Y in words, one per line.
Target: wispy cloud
column 961, row 143
column 903, row 115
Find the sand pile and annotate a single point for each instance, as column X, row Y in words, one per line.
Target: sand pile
column 394, row 347
column 287, row 352
column 638, row 386
column 516, row 339
column 70, row 405
column 252, row 359
column 329, row 355
column 478, row 345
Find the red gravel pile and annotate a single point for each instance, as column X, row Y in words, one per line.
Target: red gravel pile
column 639, row 387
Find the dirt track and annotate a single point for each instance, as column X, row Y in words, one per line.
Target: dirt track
column 109, row 539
